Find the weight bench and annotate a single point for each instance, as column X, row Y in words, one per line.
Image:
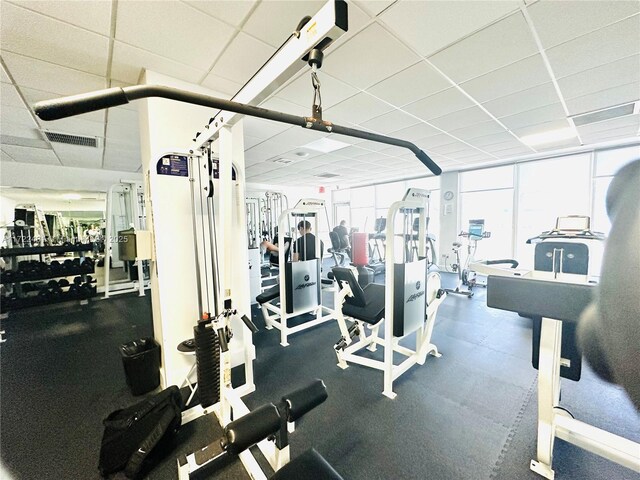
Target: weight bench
column 367, row 308
column 267, row 423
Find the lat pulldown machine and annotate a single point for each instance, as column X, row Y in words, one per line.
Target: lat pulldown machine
column 172, row 170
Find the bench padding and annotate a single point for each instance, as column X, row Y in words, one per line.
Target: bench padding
column 308, row 466
column 269, row 294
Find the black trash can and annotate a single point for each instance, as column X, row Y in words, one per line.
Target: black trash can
column 141, row 360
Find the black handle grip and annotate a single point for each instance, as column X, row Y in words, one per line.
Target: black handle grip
column 250, row 325
column 254, row 427
column 305, row 399
column 222, row 338
column 77, row 104
column 430, row 164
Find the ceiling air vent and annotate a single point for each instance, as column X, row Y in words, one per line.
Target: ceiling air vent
column 327, row 175
column 72, row 139
column 602, row 115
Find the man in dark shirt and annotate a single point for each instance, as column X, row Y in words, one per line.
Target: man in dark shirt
column 305, row 246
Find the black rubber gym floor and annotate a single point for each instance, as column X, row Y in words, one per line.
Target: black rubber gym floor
column 468, row 415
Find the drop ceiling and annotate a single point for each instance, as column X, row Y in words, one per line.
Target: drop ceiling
column 465, row 80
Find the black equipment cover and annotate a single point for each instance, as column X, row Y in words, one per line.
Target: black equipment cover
column 135, row 438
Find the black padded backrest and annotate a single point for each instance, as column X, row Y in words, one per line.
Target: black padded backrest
column 346, row 275
column 273, row 256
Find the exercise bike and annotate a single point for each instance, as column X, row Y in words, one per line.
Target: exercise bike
column 467, row 277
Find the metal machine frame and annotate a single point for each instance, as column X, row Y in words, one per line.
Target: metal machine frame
column 415, row 201
column 135, row 214
column 554, row 294
column 277, row 315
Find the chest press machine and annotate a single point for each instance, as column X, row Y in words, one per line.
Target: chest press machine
column 218, row 285
column 299, row 288
column 406, row 304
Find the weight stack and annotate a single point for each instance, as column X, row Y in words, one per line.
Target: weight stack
column 207, row 364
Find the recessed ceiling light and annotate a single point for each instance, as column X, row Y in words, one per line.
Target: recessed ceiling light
column 549, row 137
column 72, row 196
column 325, row 145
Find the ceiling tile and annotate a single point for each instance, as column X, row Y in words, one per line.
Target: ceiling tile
column 79, row 156
column 31, row 155
column 542, row 127
column 450, row 148
column 74, row 126
column 534, row 117
column 389, row 122
column 357, row 109
column 9, row 96
column 123, row 132
column 620, row 72
column 280, row 105
column 33, row 96
column 34, row 35
column 493, row 139
column 418, row 81
column 529, row 99
column 461, row 118
column 512, row 152
column 221, row 85
column 233, row 12
column 516, row 77
column 477, row 130
column 610, row 135
column 369, row 57
column 296, row 137
column 374, row 7
column 415, row 132
column 436, row 141
column 440, row 104
column 606, row 98
column 3, row 75
column 258, row 128
column 273, row 21
column 194, row 40
column 333, row 91
column 253, row 53
column 94, row 15
column 430, row 26
column 121, row 156
column 17, row 115
column 17, row 134
column 603, row 46
column 5, row 157
column 487, row 50
column 129, row 61
column 556, row 22
column 511, row 145
column 32, row 73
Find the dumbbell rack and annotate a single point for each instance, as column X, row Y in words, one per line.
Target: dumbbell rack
column 16, row 276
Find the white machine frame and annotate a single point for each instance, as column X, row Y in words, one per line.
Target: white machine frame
column 553, row 421
column 418, row 201
column 135, row 215
column 276, row 315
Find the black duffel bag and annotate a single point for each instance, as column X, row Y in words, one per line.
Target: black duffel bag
column 136, row 438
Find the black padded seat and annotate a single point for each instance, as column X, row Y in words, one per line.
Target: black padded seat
column 366, row 304
column 326, row 281
column 269, row 294
column 308, row 466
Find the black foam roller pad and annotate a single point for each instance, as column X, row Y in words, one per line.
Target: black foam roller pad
column 252, row 428
column 305, row 399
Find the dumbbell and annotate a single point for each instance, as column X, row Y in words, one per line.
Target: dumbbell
column 52, row 284
column 63, row 282
column 77, row 281
column 74, row 291
column 44, row 294
column 55, row 267
column 76, row 262
column 67, row 266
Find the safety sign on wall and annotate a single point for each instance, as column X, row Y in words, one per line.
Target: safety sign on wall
column 173, row 165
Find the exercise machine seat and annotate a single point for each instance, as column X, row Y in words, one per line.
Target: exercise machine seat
column 367, row 304
column 308, row 466
column 269, row 294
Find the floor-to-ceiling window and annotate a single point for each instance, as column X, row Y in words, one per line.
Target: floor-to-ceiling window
column 488, row 195
column 548, row 189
